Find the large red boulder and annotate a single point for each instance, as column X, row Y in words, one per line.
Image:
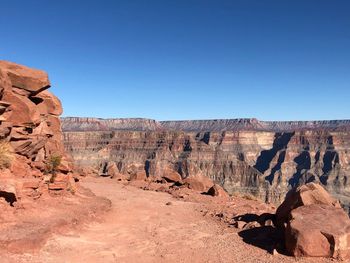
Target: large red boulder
column 199, row 183
column 171, row 176
column 307, row 194
column 314, row 223
column 318, row 230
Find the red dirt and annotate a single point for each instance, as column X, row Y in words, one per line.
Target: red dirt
column 148, row 226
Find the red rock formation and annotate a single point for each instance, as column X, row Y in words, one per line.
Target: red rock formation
column 304, row 195
column 314, row 223
column 318, row 231
column 218, row 191
column 30, row 124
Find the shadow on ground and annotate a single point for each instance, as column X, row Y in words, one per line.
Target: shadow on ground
column 264, row 237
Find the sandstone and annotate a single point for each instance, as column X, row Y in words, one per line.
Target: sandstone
column 198, row 183
column 29, row 122
column 22, row 110
column 65, row 166
column 218, row 191
column 31, row 184
column 25, row 78
column 171, row 176
column 138, row 176
column 20, row 168
column 61, row 177
column 49, row 103
column 318, row 230
column 304, row 195
column 112, row 169
column 58, row 186
column 8, row 191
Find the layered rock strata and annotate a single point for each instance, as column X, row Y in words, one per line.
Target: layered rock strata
column 265, row 159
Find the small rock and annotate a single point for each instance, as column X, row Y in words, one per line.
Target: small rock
column 251, row 225
column 239, row 224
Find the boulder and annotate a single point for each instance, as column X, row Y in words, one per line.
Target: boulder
column 138, row 176
column 171, row 176
column 218, row 191
column 22, row 77
column 198, row 183
column 318, row 230
column 307, row 194
column 112, row 169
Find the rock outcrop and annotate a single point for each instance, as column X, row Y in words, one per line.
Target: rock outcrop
column 314, row 223
column 30, row 133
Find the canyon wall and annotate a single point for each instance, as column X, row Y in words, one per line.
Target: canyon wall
column 265, row 159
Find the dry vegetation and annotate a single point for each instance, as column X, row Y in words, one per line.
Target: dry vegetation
column 6, row 154
column 52, row 165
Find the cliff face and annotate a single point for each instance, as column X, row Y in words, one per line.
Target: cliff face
column 30, row 133
column 248, row 156
column 139, row 124
column 97, row 124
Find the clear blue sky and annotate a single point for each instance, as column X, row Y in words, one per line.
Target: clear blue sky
column 187, row 59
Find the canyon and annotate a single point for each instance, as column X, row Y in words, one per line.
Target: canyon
column 246, row 156
column 139, row 190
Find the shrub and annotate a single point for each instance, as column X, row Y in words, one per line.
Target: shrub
column 52, row 165
column 6, row 155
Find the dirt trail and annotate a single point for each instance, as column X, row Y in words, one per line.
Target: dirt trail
column 141, row 227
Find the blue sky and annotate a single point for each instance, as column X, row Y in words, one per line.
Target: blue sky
column 187, row 59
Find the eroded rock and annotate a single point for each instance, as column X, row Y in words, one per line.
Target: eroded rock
column 304, row 195
column 318, row 230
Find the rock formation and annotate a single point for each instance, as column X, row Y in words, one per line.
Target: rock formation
column 265, row 159
column 314, row 223
column 31, row 137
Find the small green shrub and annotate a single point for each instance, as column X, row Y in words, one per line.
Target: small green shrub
column 52, row 165
column 6, row 154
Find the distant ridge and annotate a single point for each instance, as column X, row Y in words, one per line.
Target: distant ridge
column 218, row 125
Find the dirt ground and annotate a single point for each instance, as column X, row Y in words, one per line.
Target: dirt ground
column 148, row 226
